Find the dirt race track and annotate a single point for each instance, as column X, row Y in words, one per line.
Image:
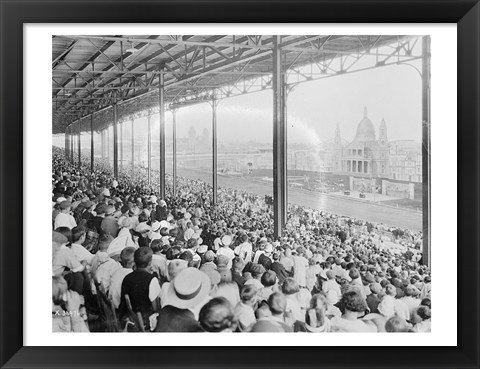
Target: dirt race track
column 373, row 212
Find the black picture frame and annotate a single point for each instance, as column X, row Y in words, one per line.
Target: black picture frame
column 465, row 13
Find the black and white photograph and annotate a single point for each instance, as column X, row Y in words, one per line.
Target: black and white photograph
column 241, row 183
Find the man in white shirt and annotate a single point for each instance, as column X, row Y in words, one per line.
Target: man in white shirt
column 64, row 218
column 244, row 250
column 226, row 250
column 79, row 234
column 127, row 261
column 331, row 288
column 124, row 239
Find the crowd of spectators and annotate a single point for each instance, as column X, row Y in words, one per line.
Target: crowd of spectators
column 125, row 260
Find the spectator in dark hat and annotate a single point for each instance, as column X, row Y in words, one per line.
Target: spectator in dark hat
column 109, row 223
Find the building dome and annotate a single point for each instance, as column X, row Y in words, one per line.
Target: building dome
column 365, row 129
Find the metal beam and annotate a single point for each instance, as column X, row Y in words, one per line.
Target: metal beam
column 214, row 151
column 279, row 142
column 92, row 145
column 175, row 42
column 426, row 149
column 161, row 116
column 115, row 141
column 174, row 126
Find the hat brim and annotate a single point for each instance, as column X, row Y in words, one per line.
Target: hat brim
column 173, row 300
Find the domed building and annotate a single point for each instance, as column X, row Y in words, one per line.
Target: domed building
column 365, row 156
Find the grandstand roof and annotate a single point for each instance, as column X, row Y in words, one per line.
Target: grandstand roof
column 90, row 73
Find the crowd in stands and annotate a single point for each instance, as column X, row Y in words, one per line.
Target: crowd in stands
column 125, row 260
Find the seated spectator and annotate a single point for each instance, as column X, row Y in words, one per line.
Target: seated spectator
column 65, row 217
column 421, row 319
column 79, row 235
column 187, row 294
column 244, row 311
column 127, row 262
column 316, row 319
column 124, row 239
column 210, row 268
column 411, row 298
column 65, row 264
column 278, row 268
column 331, row 288
column 269, row 282
column 355, row 307
column 374, row 299
column 217, row 316
column 109, row 222
column 237, row 268
column 275, row 322
column 103, row 266
column 390, row 305
column 66, row 308
column 257, row 271
column 396, row 324
column 141, row 286
column 290, row 289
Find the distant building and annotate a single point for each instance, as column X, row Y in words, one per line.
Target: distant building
column 365, row 156
column 406, row 161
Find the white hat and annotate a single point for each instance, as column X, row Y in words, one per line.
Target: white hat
column 154, row 236
column 143, row 227
column 156, row 225
column 162, row 203
column 189, row 288
column 106, row 192
column 153, row 199
column 61, row 199
column 164, row 224
column 114, row 184
column 202, row 249
column 127, row 222
column 226, row 240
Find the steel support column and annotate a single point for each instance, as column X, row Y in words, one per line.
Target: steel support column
column 214, row 151
column 72, row 143
column 115, row 141
column 120, row 127
column 66, row 144
column 174, row 174
column 279, row 142
column 161, row 116
column 149, row 159
column 92, row 145
column 133, row 144
column 102, row 141
column 426, row 148
column 79, row 145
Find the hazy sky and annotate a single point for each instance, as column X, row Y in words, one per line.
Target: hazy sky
column 315, row 107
